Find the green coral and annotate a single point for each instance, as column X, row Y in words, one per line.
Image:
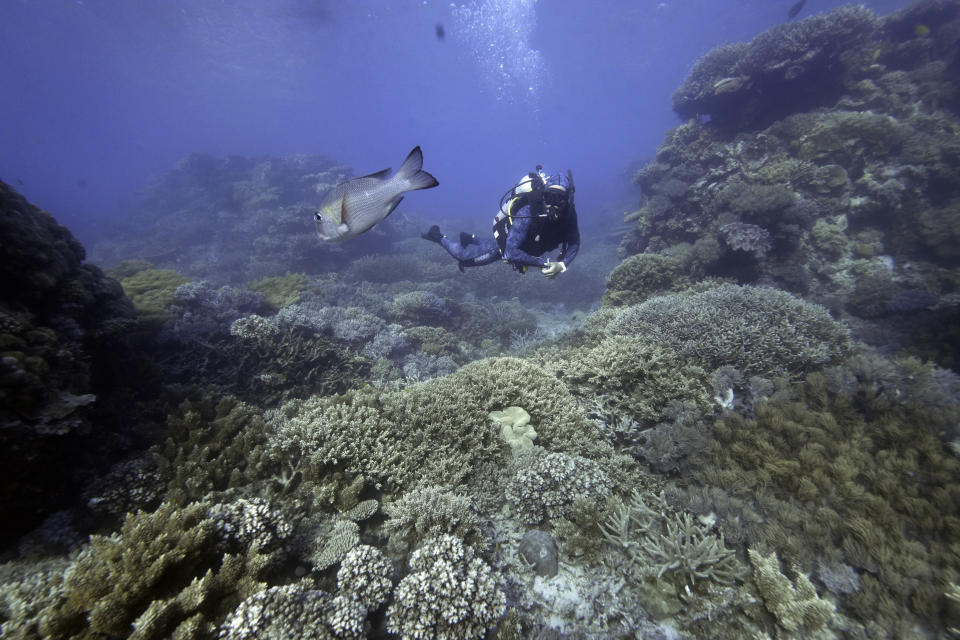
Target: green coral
column 151, row 291
column 643, row 376
column 795, row 604
column 435, row 340
column 852, row 471
column 830, row 236
column 515, row 427
column 212, row 444
column 161, row 576
column 281, row 291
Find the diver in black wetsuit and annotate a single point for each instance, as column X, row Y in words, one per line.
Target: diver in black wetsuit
column 536, row 216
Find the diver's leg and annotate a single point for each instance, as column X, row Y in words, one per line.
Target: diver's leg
column 464, row 253
column 480, row 252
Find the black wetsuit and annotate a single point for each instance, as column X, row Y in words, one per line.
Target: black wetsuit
column 528, row 239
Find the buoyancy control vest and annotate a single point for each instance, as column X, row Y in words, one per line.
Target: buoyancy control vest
column 529, row 191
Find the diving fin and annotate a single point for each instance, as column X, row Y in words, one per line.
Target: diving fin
column 466, row 239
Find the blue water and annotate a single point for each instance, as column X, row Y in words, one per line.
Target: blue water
column 99, row 95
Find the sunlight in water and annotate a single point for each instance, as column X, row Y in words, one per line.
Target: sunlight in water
column 499, row 35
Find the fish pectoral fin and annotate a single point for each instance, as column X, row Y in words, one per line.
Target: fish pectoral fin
column 391, row 205
column 344, row 219
column 342, row 229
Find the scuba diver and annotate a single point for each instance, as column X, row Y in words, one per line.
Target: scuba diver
column 536, row 216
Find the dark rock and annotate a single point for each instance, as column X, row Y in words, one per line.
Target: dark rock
column 62, row 333
column 539, row 549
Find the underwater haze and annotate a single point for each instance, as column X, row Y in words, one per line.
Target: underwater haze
column 102, row 95
column 698, row 379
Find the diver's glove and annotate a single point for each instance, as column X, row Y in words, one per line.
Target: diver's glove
column 433, row 235
column 551, row 269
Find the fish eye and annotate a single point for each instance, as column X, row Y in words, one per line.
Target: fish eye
column 318, row 217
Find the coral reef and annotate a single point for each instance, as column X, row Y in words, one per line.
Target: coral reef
column 449, row 594
column 159, row 577
column 787, row 67
column 435, row 432
column 545, row 485
column 821, row 158
column 758, row 330
column 338, row 449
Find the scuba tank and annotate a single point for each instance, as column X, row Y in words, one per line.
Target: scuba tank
column 529, row 191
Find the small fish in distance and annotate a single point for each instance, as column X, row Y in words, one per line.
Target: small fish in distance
column 795, row 9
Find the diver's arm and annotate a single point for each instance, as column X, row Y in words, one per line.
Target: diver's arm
column 571, row 240
column 515, row 239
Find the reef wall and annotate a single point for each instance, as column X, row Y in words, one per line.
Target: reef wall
column 822, row 157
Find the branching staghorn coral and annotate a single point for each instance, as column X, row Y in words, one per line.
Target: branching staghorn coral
column 654, row 536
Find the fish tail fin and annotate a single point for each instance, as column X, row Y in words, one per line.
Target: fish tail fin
column 411, row 175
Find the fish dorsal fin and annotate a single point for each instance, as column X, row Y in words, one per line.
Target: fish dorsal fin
column 379, row 175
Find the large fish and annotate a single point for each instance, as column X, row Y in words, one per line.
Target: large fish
column 354, row 206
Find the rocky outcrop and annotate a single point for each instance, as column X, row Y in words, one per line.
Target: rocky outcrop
column 823, row 157
column 62, row 327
